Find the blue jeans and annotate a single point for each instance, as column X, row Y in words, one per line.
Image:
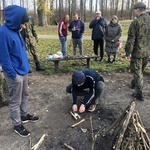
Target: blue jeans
column 63, row 44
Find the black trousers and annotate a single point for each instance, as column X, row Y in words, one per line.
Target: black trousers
column 101, row 44
column 98, row 92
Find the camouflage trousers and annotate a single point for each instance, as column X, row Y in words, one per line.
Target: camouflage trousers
column 1, row 88
column 137, row 67
column 32, row 49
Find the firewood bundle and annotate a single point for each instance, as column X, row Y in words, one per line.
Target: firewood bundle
column 129, row 132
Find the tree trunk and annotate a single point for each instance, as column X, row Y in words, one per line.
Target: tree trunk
column 96, row 5
column 85, row 10
column 81, row 8
column 34, row 4
column 116, row 7
column 40, row 17
column 121, row 14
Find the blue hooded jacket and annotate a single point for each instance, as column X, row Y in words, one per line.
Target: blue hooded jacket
column 13, row 55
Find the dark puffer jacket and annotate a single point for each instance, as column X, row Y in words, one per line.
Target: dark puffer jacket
column 98, row 27
column 113, row 32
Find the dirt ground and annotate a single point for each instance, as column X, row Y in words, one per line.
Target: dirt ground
column 49, row 100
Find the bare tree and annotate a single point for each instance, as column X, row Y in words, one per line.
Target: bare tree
column 116, row 7
column 81, row 8
column 121, row 14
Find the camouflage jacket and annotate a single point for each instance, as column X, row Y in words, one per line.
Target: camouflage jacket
column 138, row 42
column 29, row 35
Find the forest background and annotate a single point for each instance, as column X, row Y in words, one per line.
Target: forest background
column 45, row 12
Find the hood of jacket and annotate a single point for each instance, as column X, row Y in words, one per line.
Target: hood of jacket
column 13, row 22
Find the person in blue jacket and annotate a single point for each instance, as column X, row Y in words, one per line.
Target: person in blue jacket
column 77, row 28
column 15, row 66
column 87, row 83
column 98, row 26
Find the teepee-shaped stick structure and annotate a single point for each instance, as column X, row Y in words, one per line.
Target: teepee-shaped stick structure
column 129, row 131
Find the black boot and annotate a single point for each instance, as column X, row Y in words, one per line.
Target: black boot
column 108, row 61
column 113, row 61
column 38, row 67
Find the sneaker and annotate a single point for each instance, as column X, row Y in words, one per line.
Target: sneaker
column 28, row 118
column 21, row 130
column 139, row 97
column 92, row 108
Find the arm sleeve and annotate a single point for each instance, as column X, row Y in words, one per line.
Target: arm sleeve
column 93, row 23
column 119, row 34
column 74, row 95
column 70, row 27
column 131, row 38
column 5, row 57
column 33, row 31
column 91, row 93
column 60, row 28
column 82, row 28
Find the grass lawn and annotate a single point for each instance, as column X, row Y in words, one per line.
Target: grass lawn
column 52, row 30
column 47, row 46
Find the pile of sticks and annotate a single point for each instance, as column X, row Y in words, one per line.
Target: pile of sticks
column 129, row 131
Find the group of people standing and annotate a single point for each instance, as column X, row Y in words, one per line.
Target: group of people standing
column 15, row 63
column 101, row 31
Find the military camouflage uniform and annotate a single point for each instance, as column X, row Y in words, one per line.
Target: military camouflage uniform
column 138, row 46
column 2, row 98
column 31, row 39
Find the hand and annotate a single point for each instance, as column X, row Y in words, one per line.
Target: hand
column 75, row 108
column 112, row 40
column 82, row 108
column 73, row 29
column 97, row 18
column 128, row 58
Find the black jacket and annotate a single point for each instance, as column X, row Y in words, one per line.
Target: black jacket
column 92, row 77
column 98, row 28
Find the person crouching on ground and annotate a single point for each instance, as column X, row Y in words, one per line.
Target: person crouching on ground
column 112, row 36
column 87, row 83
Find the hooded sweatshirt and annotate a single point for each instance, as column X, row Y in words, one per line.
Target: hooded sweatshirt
column 13, row 55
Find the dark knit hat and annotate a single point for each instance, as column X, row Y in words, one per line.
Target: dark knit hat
column 78, row 78
column 25, row 18
column 139, row 5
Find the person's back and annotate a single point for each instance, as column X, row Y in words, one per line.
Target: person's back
column 142, row 49
column 141, row 27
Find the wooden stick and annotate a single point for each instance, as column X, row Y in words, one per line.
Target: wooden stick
column 68, row 146
column 114, row 125
column 39, row 142
column 125, row 125
column 73, row 115
column 77, row 115
column 78, row 123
